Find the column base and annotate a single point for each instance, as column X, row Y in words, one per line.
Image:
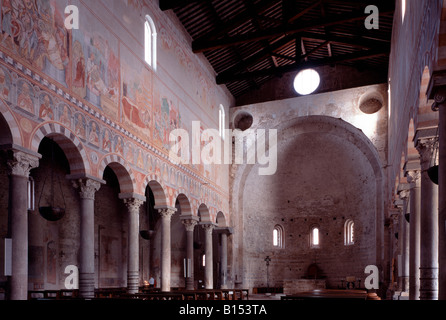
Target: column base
column 190, row 284
column 133, row 282
column 86, row 285
column 428, row 283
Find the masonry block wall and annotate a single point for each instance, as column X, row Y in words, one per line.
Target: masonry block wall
column 330, row 168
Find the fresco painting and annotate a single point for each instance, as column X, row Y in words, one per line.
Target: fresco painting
column 118, row 143
column 166, row 117
column 35, row 30
column 95, row 66
column 46, row 111
column 64, row 115
column 136, row 94
column 5, row 84
column 80, row 126
column 25, row 96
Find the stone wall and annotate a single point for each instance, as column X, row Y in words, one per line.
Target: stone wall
column 330, row 168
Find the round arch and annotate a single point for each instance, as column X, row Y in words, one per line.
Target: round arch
column 221, row 219
column 185, row 206
column 126, row 178
column 68, row 142
column 334, row 126
column 204, row 214
column 9, row 130
column 157, row 188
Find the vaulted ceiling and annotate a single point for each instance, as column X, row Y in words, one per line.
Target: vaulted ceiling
column 249, row 42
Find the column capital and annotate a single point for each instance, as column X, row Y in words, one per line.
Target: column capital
column 20, row 163
column 87, row 187
column 166, row 212
column 189, row 224
column 208, row 227
column 413, row 176
column 133, row 204
column 404, row 194
column 436, row 89
column 439, row 99
column 426, row 148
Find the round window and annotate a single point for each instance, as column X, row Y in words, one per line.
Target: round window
column 306, row 81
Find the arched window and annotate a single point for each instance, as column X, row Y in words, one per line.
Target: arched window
column 349, row 232
column 221, row 121
column 314, row 237
column 150, row 42
column 278, row 237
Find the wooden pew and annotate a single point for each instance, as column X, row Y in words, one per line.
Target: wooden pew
column 52, row 294
column 154, row 296
column 324, row 294
column 109, row 292
column 236, row 294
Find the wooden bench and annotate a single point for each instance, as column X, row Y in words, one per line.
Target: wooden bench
column 109, row 292
column 154, row 296
column 324, row 294
column 52, row 294
column 235, row 294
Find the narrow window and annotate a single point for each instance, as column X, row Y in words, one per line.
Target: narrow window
column 203, row 260
column 314, row 237
column 278, row 237
column 150, row 42
column 31, row 194
column 221, row 121
column 349, row 232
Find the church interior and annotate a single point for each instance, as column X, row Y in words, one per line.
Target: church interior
column 203, row 149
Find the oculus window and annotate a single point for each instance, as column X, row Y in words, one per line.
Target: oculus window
column 306, row 81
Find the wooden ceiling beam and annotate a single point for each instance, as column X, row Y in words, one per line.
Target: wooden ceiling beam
column 367, row 54
column 202, row 45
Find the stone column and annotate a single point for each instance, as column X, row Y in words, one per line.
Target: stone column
column 224, row 259
column 404, row 240
column 87, row 188
column 413, row 177
column 19, row 165
column 133, row 205
column 166, row 216
column 208, row 269
column 437, row 91
column 189, row 224
column 429, row 225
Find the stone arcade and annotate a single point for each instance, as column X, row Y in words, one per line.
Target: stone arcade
column 92, row 205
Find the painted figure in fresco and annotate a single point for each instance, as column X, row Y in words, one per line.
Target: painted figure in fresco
column 106, row 143
column 118, row 145
column 79, row 126
column 79, row 80
column 24, row 100
column 35, row 30
column 4, row 85
column 7, row 18
column 141, row 118
column 78, row 67
column 45, row 110
column 65, row 116
column 129, row 153
column 94, row 137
